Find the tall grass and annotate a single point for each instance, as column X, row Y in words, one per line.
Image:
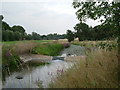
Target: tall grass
column 99, row 70
column 11, row 52
column 24, row 47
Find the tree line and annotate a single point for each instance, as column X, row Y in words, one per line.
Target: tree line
column 17, row 32
column 85, row 32
column 110, row 27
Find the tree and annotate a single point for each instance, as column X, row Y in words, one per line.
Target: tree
column 82, row 31
column 29, row 37
column 70, row 35
column 17, row 35
column 1, row 17
column 11, row 35
column 44, row 37
column 19, row 29
column 5, row 26
column 36, row 36
column 4, row 36
column 95, row 10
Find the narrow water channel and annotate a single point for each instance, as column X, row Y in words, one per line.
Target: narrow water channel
column 42, row 76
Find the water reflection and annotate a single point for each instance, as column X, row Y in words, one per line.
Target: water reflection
column 44, row 74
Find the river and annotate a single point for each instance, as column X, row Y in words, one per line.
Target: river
column 42, row 76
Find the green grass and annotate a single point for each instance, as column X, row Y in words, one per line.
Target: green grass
column 35, row 64
column 48, row 49
column 39, row 41
column 10, row 42
column 36, row 41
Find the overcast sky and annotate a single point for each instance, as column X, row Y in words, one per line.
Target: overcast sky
column 43, row 17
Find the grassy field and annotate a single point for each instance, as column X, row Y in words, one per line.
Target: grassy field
column 25, row 41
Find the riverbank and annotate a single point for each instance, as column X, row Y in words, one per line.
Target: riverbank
column 11, row 53
column 73, row 53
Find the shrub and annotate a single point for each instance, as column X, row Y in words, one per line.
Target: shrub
column 10, row 59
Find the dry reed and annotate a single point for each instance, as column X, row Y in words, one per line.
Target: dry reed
column 99, row 70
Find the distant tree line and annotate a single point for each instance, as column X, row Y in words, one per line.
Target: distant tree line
column 84, row 32
column 17, row 32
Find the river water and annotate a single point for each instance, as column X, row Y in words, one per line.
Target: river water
column 31, row 78
column 41, row 76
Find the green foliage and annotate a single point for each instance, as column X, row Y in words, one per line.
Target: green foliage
column 35, row 64
column 70, row 35
column 1, row 17
column 29, row 37
column 9, row 58
column 94, row 45
column 5, row 26
column 95, row 10
column 18, row 28
column 36, row 36
column 99, row 32
column 107, row 46
column 12, row 34
column 82, row 31
column 54, row 36
column 48, row 49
